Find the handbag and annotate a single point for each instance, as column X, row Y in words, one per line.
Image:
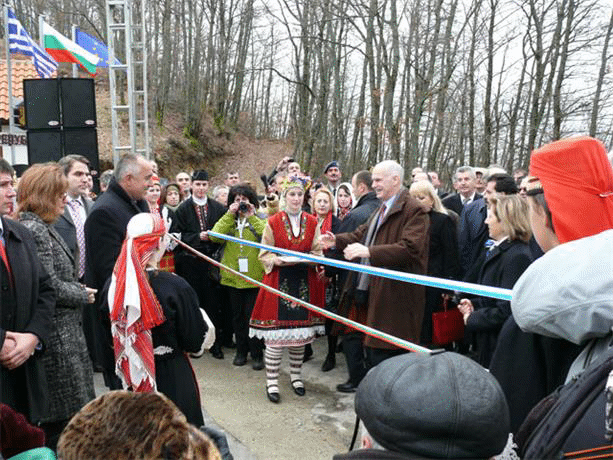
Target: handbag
column 447, row 325
column 214, row 270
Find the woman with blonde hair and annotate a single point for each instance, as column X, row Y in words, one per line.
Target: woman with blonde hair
column 324, row 210
column 501, row 266
column 41, row 198
column 443, row 258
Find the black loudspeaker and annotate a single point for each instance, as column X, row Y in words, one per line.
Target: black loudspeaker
column 41, row 101
column 44, row 145
column 78, row 102
column 83, row 141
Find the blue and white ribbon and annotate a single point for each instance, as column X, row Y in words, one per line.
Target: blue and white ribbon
column 470, row 288
column 347, row 322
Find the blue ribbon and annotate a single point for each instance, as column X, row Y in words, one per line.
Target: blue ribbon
column 323, row 312
column 470, row 288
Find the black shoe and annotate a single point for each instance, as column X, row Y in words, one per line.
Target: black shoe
column 300, row 391
column 239, row 360
column 273, row 397
column 346, row 387
column 258, row 364
column 216, row 352
column 329, row 363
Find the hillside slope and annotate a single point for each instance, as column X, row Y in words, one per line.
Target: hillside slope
column 220, row 152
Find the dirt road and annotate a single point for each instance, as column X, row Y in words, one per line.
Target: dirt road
column 313, row 427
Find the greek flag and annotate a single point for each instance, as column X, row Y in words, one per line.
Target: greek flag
column 21, row 43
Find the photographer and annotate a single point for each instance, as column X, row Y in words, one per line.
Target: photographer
column 241, row 222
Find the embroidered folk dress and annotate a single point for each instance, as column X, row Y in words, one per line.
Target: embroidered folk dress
column 274, row 319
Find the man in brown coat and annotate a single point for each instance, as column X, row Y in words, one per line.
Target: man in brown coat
column 395, row 237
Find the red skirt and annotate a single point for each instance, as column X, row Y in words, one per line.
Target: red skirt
column 281, row 322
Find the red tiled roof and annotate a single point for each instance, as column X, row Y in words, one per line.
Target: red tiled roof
column 21, row 69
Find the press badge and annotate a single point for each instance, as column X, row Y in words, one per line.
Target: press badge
column 243, row 264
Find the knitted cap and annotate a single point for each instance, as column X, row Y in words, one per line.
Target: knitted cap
column 443, row 406
column 577, row 180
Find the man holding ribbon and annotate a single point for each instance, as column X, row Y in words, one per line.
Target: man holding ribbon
column 395, row 237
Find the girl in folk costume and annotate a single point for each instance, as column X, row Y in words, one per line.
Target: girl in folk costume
column 323, row 205
column 156, row 206
column 155, row 320
column 279, row 322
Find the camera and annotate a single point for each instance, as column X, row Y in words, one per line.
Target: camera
column 243, row 207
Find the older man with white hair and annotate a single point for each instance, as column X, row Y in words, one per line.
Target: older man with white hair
column 395, row 237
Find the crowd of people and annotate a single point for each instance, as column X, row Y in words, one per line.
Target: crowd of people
column 98, row 284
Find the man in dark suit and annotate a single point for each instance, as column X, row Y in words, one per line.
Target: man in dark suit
column 465, row 182
column 105, row 230
column 436, row 183
column 71, row 224
column 367, row 203
column 472, row 231
column 193, row 219
column 27, row 302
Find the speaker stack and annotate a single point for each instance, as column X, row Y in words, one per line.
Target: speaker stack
column 61, row 119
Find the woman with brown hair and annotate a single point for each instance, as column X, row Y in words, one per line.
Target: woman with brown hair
column 501, row 266
column 41, row 198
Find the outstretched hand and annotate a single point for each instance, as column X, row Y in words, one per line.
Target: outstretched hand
column 356, row 251
column 327, row 240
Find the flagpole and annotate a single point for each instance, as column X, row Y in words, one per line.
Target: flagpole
column 74, row 39
column 9, row 68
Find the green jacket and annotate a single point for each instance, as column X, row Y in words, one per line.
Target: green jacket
column 233, row 251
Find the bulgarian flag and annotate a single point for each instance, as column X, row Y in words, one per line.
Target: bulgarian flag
column 63, row 49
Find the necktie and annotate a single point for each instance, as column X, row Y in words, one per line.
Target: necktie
column 78, row 224
column 381, row 215
column 5, row 259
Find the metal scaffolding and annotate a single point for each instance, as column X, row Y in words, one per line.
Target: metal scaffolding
column 128, row 77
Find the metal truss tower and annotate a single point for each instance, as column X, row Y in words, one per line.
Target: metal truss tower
column 128, row 77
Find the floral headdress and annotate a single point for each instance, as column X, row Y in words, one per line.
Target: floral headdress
column 303, row 183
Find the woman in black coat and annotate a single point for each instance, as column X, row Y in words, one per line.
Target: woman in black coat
column 500, row 266
column 443, row 258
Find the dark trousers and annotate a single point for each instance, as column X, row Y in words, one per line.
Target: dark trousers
column 375, row 356
column 226, row 313
column 196, row 272
column 242, row 301
column 53, row 430
column 354, row 355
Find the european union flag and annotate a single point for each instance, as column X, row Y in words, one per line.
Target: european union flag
column 94, row 46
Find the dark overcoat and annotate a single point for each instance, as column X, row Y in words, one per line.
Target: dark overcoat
column 401, row 244
column 501, row 268
column 34, row 298
column 105, row 230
